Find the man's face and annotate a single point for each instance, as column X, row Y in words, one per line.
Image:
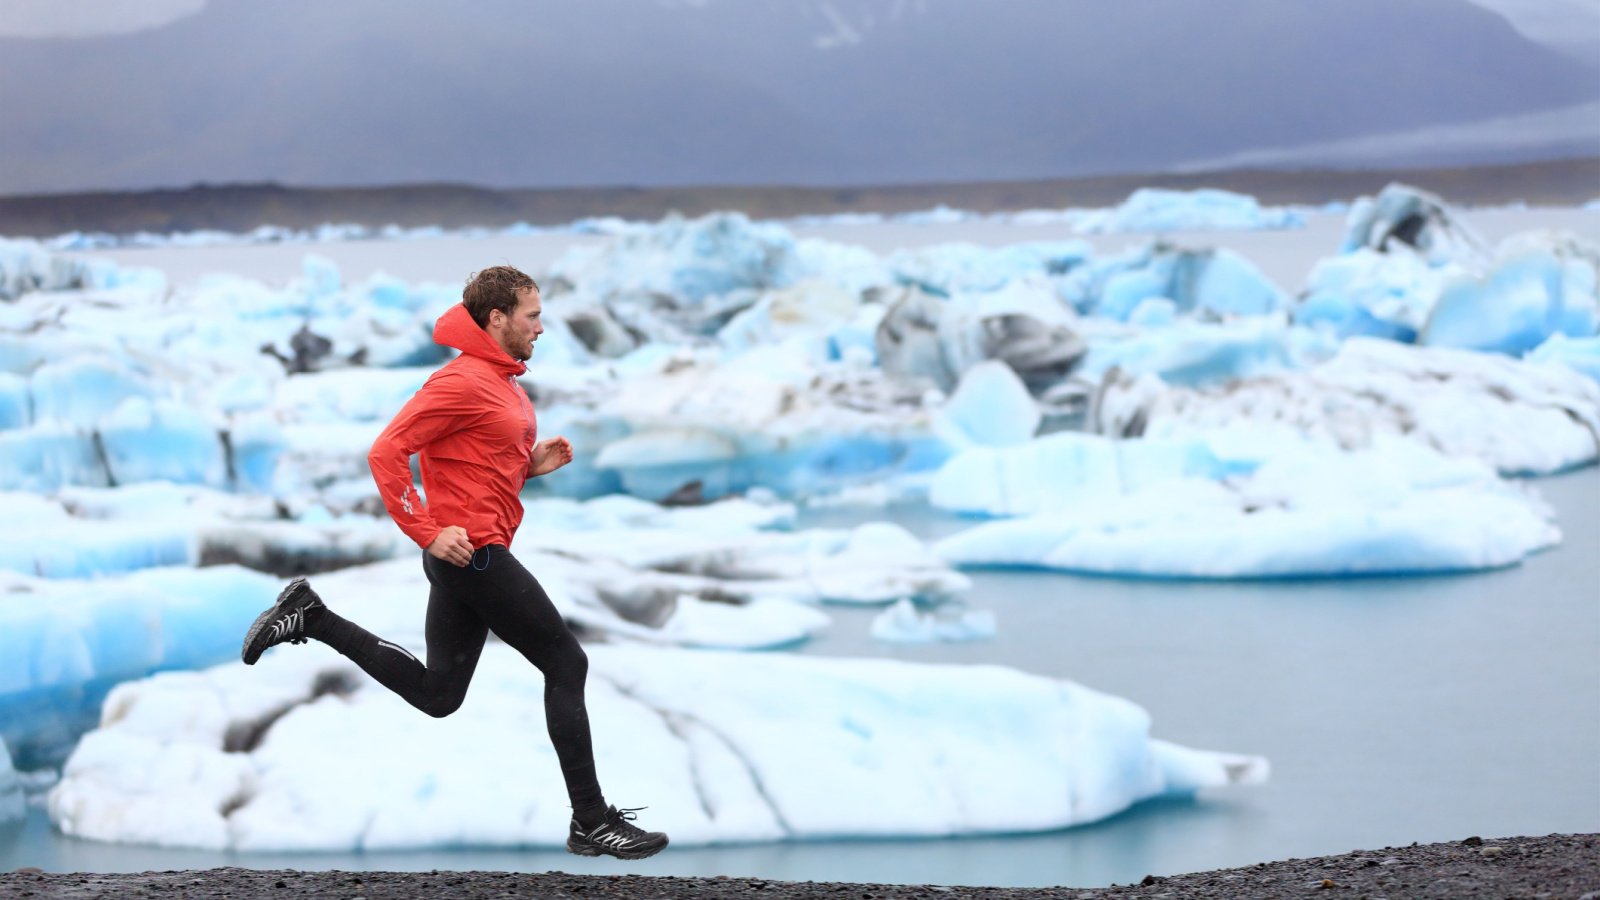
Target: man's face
column 517, row 332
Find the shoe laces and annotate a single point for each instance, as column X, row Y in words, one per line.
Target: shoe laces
column 622, row 820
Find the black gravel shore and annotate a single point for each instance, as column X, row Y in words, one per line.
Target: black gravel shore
column 1564, row 866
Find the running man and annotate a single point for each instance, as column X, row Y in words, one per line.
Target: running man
column 474, row 428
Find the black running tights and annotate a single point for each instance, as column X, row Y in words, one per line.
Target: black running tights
column 493, row 593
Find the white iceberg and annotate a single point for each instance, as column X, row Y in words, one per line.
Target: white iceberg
column 1518, row 416
column 218, row 759
column 1307, row 509
column 1207, row 209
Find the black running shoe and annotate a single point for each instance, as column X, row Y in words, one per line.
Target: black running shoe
column 616, row 836
column 284, row 621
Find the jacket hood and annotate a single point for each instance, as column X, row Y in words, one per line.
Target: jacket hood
column 456, row 329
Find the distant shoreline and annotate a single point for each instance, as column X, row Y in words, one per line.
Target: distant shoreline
column 242, row 207
column 1556, row 865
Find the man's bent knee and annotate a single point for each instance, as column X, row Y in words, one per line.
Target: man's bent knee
column 440, row 706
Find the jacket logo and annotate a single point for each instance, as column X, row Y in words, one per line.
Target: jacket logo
column 405, row 501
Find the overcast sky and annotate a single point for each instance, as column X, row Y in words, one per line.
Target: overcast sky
column 148, row 93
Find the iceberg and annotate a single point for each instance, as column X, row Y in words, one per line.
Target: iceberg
column 1538, row 285
column 65, row 643
column 1022, row 324
column 26, row 265
column 771, row 419
column 991, row 406
column 1216, row 282
column 1305, row 509
column 47, row 457
column 1066, row 470
column 216, row 759
column 1159, row 209
column 1370, row 293
column 685, row 259
column 1521, row 417
column 1405, row 217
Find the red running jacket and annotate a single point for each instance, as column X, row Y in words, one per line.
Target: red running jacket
column 474, row 426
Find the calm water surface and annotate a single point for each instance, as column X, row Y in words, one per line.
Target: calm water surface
column 1393, row 710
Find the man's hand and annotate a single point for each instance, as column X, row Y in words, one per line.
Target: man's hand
column 549, row 455
column 452, row 546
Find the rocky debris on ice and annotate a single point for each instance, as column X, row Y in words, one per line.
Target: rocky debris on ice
column 1022, row 324
column 1409, row 217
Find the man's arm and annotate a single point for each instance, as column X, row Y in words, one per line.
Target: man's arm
column 433, row 412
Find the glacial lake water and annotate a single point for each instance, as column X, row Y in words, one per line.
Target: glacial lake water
column 1392, row 709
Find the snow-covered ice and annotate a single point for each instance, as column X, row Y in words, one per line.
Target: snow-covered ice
column 217, row 758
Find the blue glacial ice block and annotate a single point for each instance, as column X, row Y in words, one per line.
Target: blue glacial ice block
column 63, row 645
column 1217, row 281
column 82, row 390
column 47, row 457
column 162, row 440
column 256, row 442
column 1524, row 300
column 16, row 406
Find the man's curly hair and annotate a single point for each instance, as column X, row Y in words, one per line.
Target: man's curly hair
column 494, row 288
